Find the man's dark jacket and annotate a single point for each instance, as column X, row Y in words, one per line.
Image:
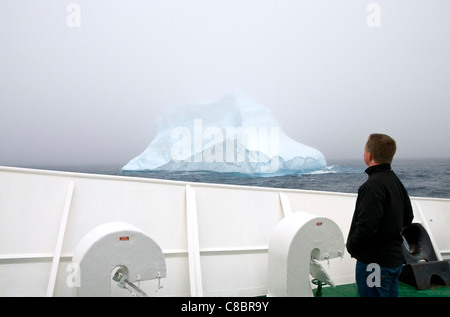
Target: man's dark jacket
column 382, row 209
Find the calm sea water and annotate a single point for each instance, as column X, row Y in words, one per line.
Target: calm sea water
column 421, row 177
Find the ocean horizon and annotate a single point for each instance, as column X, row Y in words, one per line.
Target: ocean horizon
column 421, row 177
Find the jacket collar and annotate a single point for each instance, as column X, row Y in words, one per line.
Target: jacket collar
column 378, row 168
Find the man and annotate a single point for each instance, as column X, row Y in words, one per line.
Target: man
column 382, row 209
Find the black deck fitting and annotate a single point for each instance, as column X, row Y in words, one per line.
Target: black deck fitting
column 422, row 269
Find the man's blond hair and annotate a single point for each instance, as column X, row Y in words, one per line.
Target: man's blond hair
column 382, row 147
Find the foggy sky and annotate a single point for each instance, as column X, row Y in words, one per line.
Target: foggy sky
column 92, row 94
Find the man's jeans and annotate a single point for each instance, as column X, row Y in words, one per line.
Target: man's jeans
column 376, row 281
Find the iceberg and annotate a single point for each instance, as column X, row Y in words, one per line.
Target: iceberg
column 233, row 134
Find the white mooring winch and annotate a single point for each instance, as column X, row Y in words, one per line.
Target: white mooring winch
column 119, row 250
column 297, row 244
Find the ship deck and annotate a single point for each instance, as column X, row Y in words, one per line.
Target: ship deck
column 404, row 290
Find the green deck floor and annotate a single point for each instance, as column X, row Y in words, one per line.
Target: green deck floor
column 404, row 290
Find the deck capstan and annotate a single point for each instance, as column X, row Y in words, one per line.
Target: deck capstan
column 297, row 245
column 116, row 252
